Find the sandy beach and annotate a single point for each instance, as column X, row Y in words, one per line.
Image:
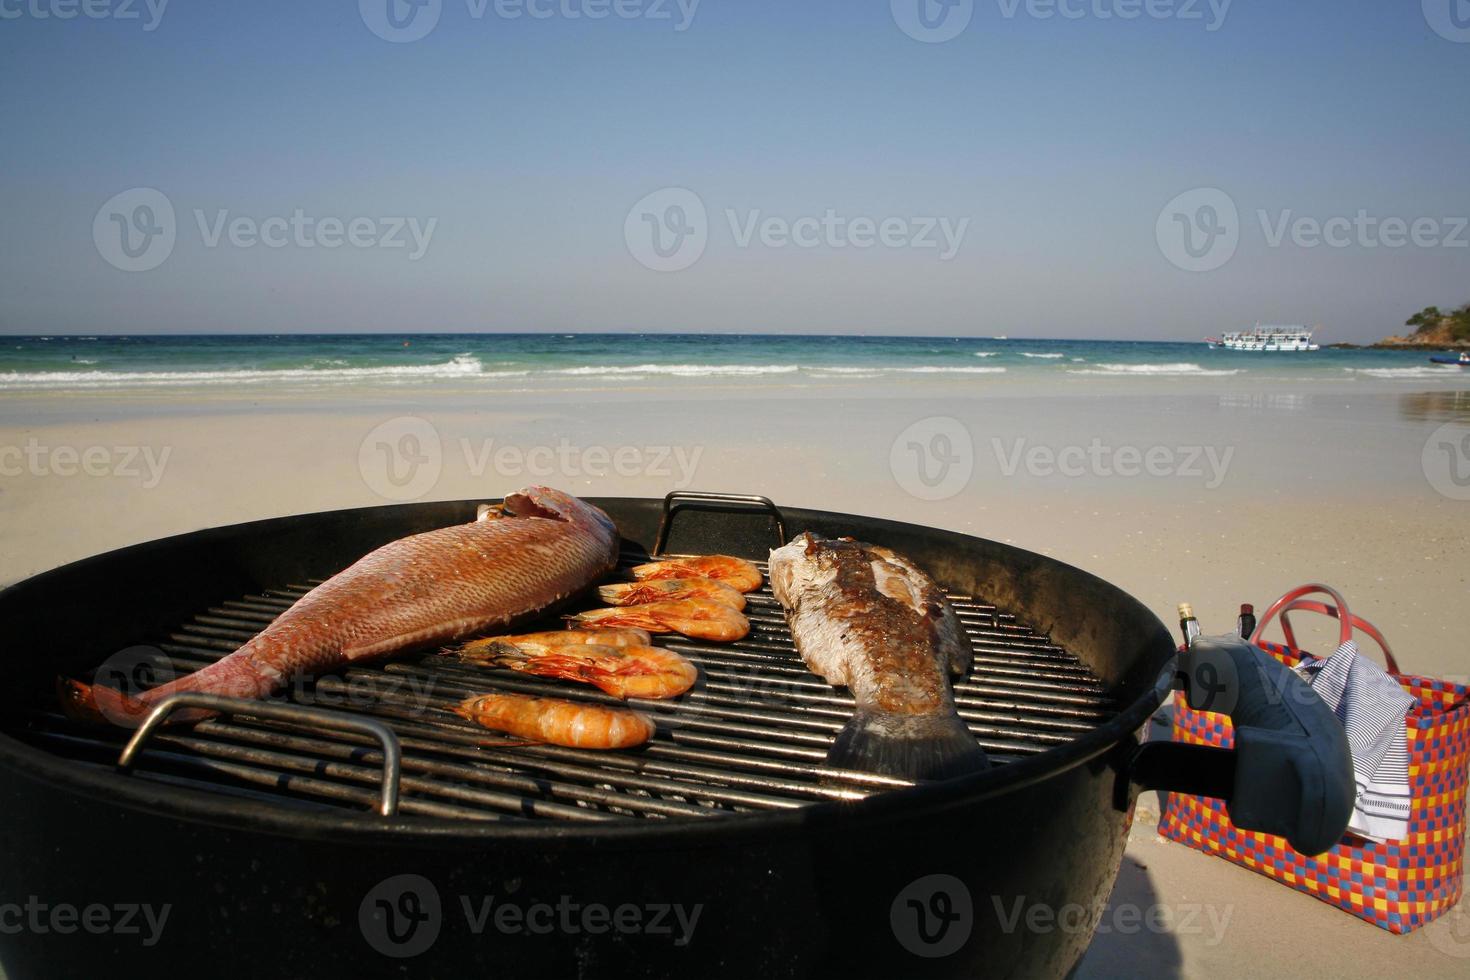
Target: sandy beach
column 1211, row 491
column 1247, row 493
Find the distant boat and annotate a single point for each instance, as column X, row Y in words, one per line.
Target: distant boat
column 1266, row 338
column 1000, row 337
column 1463, row 359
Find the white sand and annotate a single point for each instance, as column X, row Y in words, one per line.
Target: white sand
column 1332, row 490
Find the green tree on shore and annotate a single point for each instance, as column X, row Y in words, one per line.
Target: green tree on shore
column 1431, row 319
column 1426, row 318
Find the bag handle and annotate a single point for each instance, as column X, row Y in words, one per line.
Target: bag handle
column 1357, row 623
column 1345, row 634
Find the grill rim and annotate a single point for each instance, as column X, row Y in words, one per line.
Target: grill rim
column 149, row 797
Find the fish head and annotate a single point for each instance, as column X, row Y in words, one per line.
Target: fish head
column 791, row 564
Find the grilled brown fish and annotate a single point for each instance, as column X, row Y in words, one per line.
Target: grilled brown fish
column 524, row 557
column 868, row 619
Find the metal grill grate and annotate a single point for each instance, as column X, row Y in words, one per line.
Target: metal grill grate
column 751, row 735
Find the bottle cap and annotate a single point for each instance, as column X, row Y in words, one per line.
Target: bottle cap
column 1186, row 611
column 1246, row 607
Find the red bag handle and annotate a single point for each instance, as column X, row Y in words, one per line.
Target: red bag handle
column 1359, row 624
column 1295, row 594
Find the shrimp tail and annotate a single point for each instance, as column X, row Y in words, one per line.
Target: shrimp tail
column 625, row 595
column 491, row 651
column 630, row 616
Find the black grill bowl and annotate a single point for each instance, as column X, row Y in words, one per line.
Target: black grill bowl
column 829, row 888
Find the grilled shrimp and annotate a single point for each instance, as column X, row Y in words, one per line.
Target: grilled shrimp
column 493, row 646
column 699, row 619
column 623, row 672
column 671, row 589
column 577, row 726
column 734, row 572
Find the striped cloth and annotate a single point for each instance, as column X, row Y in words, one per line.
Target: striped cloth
column 1372, row 707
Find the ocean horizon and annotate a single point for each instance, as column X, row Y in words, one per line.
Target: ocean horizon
column 43, row 363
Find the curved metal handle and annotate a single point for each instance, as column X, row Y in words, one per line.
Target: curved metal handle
column 1290, row 773
column 700, row 496
column 392, row 754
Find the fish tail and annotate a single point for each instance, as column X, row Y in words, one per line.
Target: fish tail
column 236, row 676
column 933, row 746
column 98, row 705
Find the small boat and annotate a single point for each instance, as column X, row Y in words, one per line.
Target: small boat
column 1266, row 338
column 1463, row 359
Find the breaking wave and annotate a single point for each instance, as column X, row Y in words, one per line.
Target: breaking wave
column 1155, row 370
column 462, row 365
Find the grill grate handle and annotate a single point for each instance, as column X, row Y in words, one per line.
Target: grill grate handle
column 665, row 523
column 392, row 754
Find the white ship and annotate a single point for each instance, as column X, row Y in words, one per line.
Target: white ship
column 1266, row 338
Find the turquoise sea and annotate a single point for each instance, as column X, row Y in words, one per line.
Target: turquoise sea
column 508, row 361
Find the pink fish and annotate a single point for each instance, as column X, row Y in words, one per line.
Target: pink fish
column 518, row 559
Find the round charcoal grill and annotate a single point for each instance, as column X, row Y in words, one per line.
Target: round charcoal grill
column 355, row 822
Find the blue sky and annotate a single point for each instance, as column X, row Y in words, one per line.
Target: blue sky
column 518, row 146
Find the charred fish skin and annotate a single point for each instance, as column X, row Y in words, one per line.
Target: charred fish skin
column 519, row 559
column 866, row 618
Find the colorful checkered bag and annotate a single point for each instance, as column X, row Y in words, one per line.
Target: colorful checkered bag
column 1399, row 885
